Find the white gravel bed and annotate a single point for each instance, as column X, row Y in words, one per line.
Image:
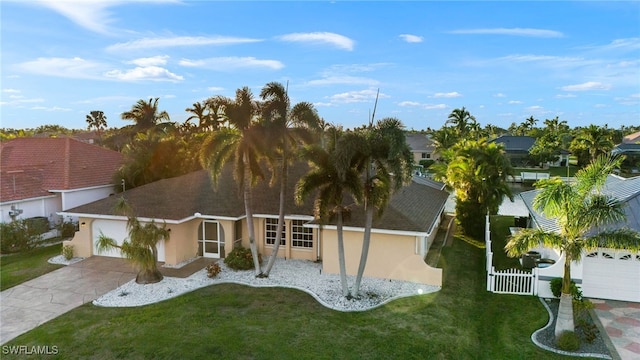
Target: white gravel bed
column 298, row 274
column 61, row 260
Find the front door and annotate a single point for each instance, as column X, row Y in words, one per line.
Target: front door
column 209, row 239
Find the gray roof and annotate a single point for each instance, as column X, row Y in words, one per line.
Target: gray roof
column 419, row 142
column 626, row 190
column 414, row 208
column 515, row 143
column 626, row 149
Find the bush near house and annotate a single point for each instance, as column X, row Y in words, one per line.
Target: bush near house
column 18, row 236
column 240, row 258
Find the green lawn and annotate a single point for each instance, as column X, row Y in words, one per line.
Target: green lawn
column 462, row 321
column 499, row 233
column 18, row 268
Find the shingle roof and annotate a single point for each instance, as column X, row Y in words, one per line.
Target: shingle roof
column 626, row 149
column 414, row 208
column 419, row 142
column 625, row 190
column 515, row 143
column 38, row 165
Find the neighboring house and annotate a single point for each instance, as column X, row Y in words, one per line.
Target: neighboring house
column 43, row 176
column 422, row 147
column 603, row 273
column 516, row 148
column 210, row 221
column 632, row 138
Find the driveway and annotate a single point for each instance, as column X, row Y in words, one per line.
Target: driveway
column 621, row 321
column 32, row 303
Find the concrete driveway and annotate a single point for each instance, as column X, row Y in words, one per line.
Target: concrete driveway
column 32, row 303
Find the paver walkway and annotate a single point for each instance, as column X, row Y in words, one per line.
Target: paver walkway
column 34, row 302
column 621, row 320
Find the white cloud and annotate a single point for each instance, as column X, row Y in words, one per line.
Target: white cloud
column 90, row 14
column 565, row 96
column 348, row 80
column 600, row 106
column 20, row 100
column 589, row 85
column 535, row 108
column 424, row 106
column 633, row 99
column 215, row 88
column 453, row 94
column 53, row 108
column 500, row 95
column 512, row 31
column 232, row 63
column 106, row 99
column 11, row 91
column 163, row 42
column 150, row 61
column 409, row 103
column 147, row 73
column 512, row 102
column 76, row 67
column 411, row 38
column 337, row 40
column 356, row 96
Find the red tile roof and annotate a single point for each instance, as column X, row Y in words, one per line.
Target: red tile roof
column 32, row 167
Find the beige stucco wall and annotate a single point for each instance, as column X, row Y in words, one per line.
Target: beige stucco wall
column 390, row 257
column 81, row 241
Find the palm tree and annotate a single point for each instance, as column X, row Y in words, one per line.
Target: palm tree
column 241, row 141
column 333, row 174
column 289, row 127
column 478, row 172
column 461, row 119
column 444, row 138
column 387, row 162
column 596, row 140
column 145, row 114
column 142, row 247
column 97, row 120
column 582, row 214
column 199, row 111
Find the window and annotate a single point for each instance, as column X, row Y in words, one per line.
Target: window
column 426, row 155
column 270, row 227
column 300, row 235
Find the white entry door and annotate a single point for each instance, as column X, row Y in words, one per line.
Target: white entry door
column 209, row 239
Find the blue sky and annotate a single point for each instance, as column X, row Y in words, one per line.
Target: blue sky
column 503, row 61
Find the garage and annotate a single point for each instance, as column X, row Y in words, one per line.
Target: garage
column 117, row 230
column 611, row 274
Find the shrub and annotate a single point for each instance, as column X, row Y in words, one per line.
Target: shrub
column 568, row 341
column 37, row 225
column 213, row 270
column 67, row 252
column 67, row 229
column 556, row 289
column 240, row 258
column 426, row 163
column 17, row 236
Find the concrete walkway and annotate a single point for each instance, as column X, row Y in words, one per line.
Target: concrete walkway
column 32, row 303
column 621, row 321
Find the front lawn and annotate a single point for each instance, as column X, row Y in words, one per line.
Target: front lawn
column 462, row 321
column 20, row 267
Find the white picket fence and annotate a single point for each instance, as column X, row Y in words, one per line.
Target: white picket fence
column 509, row 281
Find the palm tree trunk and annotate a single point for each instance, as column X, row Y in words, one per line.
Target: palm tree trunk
column 248, row 203
column 565, row 310
column 341, row 260
column 280, row 227
column 366, row 240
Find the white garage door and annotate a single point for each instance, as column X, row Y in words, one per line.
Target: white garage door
column 609, row 274
column 117, row 230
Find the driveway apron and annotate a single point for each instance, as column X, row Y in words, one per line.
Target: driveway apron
column 34, row 302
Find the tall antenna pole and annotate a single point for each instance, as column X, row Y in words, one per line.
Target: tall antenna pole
column 375, row 105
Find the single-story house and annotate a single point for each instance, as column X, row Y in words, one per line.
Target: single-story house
column 422, row 147
column 603, row 273
column 516, row 148
column 40, row 177
column 209, row 221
